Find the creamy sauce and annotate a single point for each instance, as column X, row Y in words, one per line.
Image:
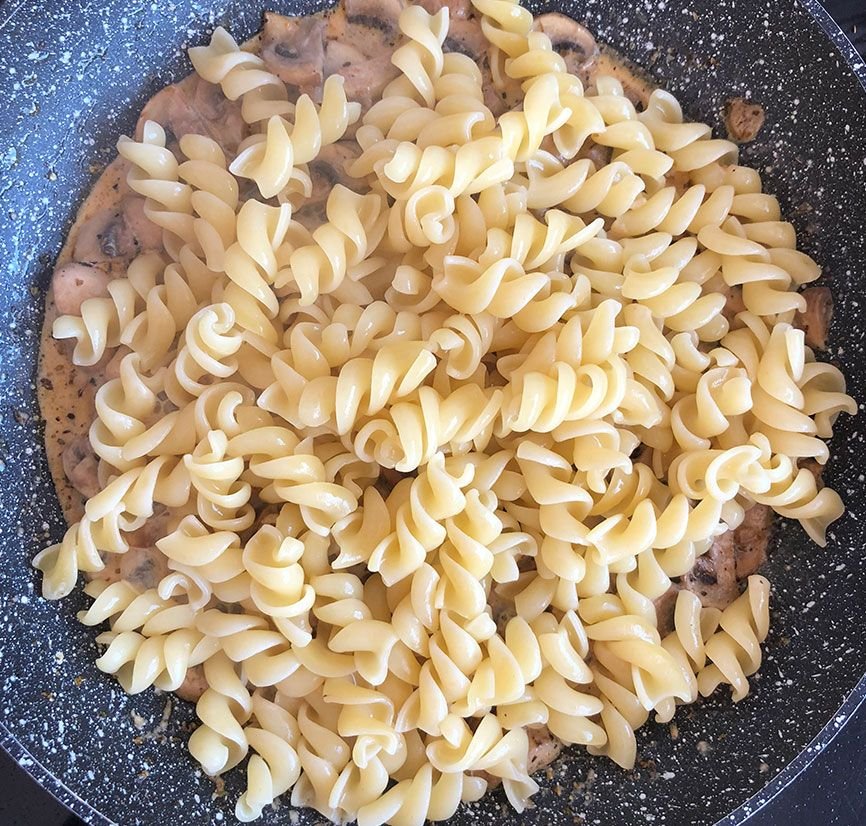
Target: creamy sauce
column 66, row 392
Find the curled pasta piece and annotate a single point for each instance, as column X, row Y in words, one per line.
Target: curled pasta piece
column 734, row 652
column 269, row 158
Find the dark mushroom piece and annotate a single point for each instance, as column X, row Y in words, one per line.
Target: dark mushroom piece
column 714, row 577
column 293, row 48
column 544, row 748
column 329, row 169
column 193, row 685
column 457, row 9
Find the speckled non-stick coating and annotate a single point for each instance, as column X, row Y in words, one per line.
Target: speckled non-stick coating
column 73, row 76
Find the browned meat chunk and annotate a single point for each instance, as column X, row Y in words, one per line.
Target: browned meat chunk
column 732, row 558
column 544, row 748
column 571, row 40
column 80, row 465
column 74, row 283
column 750, row 541
column 815, row 320
column 664, row 606
column 293, row 48
column 743, row 119
column 714, row 575
column 193, row 685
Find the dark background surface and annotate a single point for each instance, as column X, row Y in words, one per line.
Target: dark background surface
column 831, row 792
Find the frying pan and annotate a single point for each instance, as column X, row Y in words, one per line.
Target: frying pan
column 73, row 76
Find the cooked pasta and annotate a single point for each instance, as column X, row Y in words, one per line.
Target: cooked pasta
column 432, row 434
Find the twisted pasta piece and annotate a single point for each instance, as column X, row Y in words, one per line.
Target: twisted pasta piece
column 362, row 387
column 214, row 198
column 269, row 159
column 241, row 75
column 220, row 743
column 734, row 652
column 411, row 432
column 154, row 173
column 428, row 795
column 288, row 475
column 340, row 249
column 211, row 340
column 504, row 279
column 420, row 57
column 223, row 500
column 274, row 766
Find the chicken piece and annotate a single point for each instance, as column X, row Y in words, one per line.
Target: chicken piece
column 81, row 465
column 544, row 748
column 714, row 575
column 814, row 321
column 359, row 42
column 570, row 40
column 197, row 107
column 74, row 283
column 750, row 541
column 735, row 555
column 743, row 119
column 293, row 48
column 665, row 605
column 193, row 685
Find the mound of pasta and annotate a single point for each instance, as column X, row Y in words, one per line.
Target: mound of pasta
column 437, row 385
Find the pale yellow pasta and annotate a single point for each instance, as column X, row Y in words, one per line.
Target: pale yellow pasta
column 412, row 475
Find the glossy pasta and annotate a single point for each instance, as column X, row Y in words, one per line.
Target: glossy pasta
column 412, row 479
